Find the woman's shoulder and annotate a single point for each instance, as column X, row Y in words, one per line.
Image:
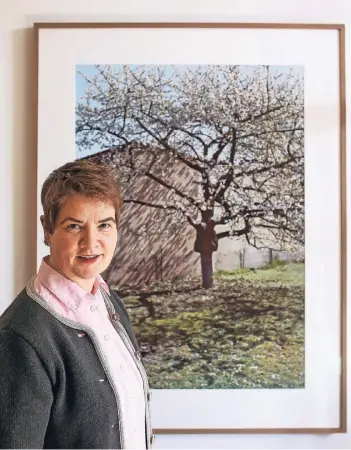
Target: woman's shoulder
column 22, row 310
column 28, row 319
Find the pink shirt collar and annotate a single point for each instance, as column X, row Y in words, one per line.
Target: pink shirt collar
column 69, row 292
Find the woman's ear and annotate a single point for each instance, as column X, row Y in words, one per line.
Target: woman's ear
column 46, row 234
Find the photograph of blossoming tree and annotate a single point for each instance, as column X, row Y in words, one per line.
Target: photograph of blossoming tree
column 210, row 254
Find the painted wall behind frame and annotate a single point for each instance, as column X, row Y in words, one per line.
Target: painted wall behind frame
column 17, row 144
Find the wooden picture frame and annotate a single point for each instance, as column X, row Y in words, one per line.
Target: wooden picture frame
column 210, row 411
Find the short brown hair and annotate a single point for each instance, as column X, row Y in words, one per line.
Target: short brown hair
column 84, row 177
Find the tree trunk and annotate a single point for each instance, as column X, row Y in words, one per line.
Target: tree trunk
column 206, row 243
column 207, row 270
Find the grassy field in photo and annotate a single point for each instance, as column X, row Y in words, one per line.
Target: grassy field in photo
column 245, row 332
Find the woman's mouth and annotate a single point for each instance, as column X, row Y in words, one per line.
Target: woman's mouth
column 88, row 259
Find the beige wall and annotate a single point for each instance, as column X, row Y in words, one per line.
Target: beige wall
column 17, row 143
column 153, row 244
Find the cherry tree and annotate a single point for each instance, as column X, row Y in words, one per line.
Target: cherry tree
column 240, row 130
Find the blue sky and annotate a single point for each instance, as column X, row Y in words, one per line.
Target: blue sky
column 90, row 70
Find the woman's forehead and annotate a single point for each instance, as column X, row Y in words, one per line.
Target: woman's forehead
column 83, row 205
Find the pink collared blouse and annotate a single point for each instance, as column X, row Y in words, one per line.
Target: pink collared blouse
column 71, row 301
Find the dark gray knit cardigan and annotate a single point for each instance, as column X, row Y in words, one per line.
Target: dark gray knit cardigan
column 54, row 391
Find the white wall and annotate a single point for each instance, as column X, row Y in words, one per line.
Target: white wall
column 17, row 146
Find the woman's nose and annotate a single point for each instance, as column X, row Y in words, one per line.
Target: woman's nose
column 89, row 238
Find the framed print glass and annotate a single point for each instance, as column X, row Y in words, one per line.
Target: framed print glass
column 229, row 143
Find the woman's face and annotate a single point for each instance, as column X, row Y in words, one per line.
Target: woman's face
column 84, row 239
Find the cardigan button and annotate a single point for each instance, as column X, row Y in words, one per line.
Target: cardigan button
column 149, row 396
column 115, row 317
column 152, row 439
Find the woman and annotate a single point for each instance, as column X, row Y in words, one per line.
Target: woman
column 71, row 372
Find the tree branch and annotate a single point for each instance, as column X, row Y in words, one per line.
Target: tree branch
column 168, row 147
column 258, row 116
column 269, row 132
column 176, row 190
column 228, row 178
column 163, row 207
column 268, row 168
column 243, row 231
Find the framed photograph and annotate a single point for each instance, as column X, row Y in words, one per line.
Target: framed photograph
column 229, row 142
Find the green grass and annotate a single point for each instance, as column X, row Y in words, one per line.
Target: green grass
column 245, row 332
column 284, row 274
